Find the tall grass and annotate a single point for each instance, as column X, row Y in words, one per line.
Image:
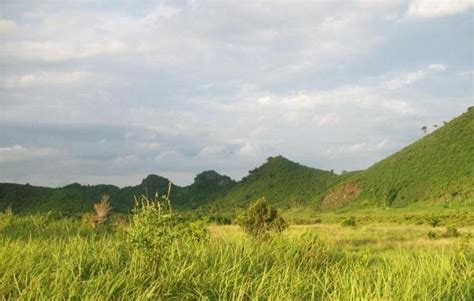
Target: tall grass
column 82, row 263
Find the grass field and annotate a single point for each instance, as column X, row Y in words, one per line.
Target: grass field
column 46, row 258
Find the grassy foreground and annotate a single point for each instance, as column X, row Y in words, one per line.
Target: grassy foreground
column 43, row 258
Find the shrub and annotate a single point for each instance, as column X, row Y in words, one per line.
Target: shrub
column 349, row 222
column 431, row 235
column 102, row 210
column 451, row 232
column 434, row 222
column 88, row 219
column 6, row 218
column 155, row 228
column 306, row 221
column 260, row 219
column 220, row 219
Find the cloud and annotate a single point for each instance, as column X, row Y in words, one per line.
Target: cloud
column 56, row 51
column 178, row 87
column 18, row 153
column 45, row 78
column 438, row 8
column 363, row 147
column 406, row 79
column 7, row 26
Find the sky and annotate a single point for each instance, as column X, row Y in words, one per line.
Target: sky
column 111, row 91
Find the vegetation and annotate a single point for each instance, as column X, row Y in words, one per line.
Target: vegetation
column 46, row 258
column 77, row 199
column 438, row 167
column 155, row 229
column 283, row 182
column 349, row 222
column 400, row 230
column 260, row 219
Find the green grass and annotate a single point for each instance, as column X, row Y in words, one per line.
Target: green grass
column 45, row 258
column 458, row 213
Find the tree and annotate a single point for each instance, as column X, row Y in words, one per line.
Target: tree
column 260, row 218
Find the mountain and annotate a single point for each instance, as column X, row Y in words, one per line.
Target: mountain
column 76, row 198
column 440, row 166
column 207, row 186
column 282, row 182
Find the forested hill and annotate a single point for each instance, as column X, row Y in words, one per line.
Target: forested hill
column 282, row 182
column 438, row 167
column 75, row 197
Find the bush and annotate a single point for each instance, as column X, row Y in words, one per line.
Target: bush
column 260, row 219
column 220, row 219
column 155, row 228
column 100, row 215
column 102, row 210
column 6, row 218
column 349, row 222
column 451, row 232
column 306, row 221
column 431, row 235
column 434, row 222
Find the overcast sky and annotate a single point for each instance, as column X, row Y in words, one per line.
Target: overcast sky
column 110, row 91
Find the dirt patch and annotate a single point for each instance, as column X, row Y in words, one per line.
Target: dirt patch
column 341, row 196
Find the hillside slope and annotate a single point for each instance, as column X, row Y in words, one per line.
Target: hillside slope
column 440, row 166
column 282, row 182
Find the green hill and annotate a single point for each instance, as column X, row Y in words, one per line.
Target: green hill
column 284, row 183
column 440, row 166
column 76, row 198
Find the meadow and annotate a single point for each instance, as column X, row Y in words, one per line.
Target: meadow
column 51, row 257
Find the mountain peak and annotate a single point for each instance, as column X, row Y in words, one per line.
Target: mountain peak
column 155, row 180
column 212, row 177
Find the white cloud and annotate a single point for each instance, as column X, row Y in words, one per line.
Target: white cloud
column 247, row 149
column 17, row 153
column 437, row 67
column 264, row 100
column 211, row 150
column 468, row 74
column 438, row 8
column 7, row 26
column 409, row 78
column 364, row 147
column 46, row 78
column 327, row 119
column 59, row 51
column 162, row 11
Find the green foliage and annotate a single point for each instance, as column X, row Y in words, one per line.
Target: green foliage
column 283, row 182
column 349, row 222
column 78, row 199
column 451, row 232
column 431, row 235
column 155, row 229
column 435, row 221
column 260, row 219
column 438, row 167
column 6, row 218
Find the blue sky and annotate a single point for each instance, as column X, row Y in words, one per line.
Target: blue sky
column 110, row 91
